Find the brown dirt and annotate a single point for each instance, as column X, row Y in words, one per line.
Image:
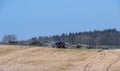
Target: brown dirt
column 19, row 58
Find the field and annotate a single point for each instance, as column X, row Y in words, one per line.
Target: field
column 25, row 58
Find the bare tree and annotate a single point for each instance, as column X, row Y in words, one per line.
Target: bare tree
column 8, row 38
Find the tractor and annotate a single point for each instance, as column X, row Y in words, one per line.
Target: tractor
column 59, row 44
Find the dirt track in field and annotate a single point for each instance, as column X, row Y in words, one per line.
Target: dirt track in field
column 19, row 58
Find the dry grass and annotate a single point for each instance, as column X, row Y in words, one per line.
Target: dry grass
column 19, row 58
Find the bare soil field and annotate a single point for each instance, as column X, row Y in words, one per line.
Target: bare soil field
column 25, row 58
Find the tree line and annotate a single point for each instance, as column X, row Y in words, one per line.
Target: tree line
column 109, row 37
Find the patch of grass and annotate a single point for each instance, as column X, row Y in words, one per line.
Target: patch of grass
column 117, row 70
column 63, row 67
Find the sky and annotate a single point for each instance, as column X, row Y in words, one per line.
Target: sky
column 29, row 18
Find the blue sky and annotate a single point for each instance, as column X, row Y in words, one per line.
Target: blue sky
column 27, row 18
